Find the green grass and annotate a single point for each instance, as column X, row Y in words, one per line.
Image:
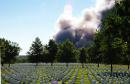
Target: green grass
column 42, row 73
column 79, row 76
column 72, row 75
column 86, row 80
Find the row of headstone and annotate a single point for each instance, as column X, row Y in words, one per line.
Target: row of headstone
column 104, row 76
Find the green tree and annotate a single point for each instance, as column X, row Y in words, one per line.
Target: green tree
column 115, row 28
column 36, row 51
column 46, row 54
column 2, row 50
column 128, row 60
column 112, row 41
column 8, row 51
column 52, row 50
column 67, row 52
column 83, row 56
column 94, row 51
column 12, row 51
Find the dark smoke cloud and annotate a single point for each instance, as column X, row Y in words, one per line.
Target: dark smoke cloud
column 81, row 30
column 65, row 34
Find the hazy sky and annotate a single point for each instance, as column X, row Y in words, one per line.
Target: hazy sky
column 23, row 20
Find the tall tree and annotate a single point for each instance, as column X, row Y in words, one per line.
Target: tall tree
column 83, row 56
column 8, row 51
column 128, row 60
column 67, row 52
column 2, row 50
column 36, row 51
column 113, row 39
column 46, row 54
column 94, row 51
column 116, row 31
column 52, row 50
column 12, row 52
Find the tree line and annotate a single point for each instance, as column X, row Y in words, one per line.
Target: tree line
column 8, row 51
column 65, row 52
column 111, row 43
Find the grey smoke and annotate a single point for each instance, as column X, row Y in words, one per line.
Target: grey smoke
column 81, row 30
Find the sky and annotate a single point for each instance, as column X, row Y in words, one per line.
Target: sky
column 22, row 21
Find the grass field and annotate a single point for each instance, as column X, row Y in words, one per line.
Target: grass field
column 59, row 73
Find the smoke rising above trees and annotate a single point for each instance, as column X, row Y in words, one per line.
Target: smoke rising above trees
column 81, row 30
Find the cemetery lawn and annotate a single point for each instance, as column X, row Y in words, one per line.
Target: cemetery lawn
column 29, row 73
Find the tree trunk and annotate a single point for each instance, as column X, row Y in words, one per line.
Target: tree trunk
column 9, row 64
column 66, row 64
column 36, row 64
column 2, row 64
column 51, row 63
column 111, row 69
column 128, row 66
column 82, row 65
column 98, row 64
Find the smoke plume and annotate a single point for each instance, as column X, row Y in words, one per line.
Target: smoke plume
column 81, row 30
